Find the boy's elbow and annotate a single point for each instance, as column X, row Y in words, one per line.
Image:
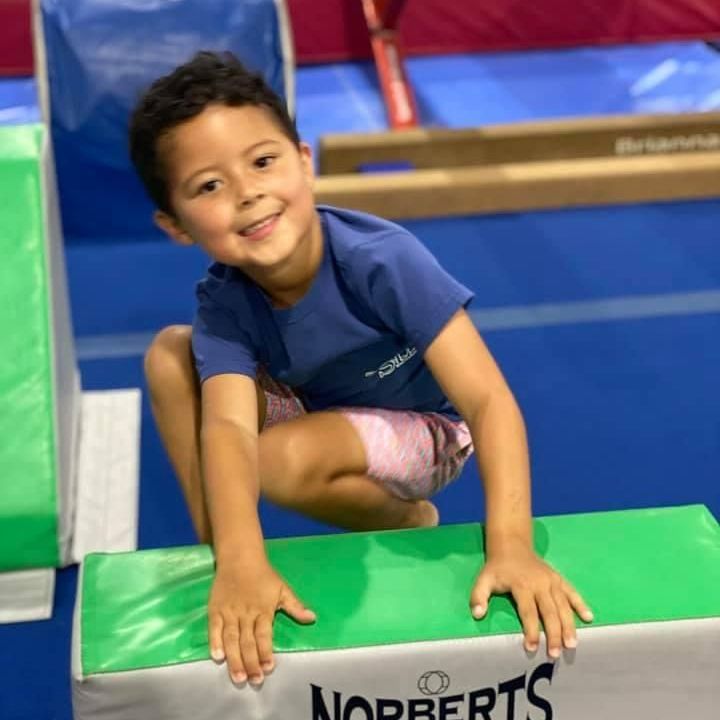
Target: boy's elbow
column 495, row 400
column 216, row 428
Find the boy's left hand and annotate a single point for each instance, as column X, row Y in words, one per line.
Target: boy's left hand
column 540, row 593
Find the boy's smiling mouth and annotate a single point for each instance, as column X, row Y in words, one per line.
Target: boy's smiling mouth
column 261, row 228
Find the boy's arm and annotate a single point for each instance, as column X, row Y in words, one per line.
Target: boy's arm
column 466, row 371
column 229, row 458
column 247, row 591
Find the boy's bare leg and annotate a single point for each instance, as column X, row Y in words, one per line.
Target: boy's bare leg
column 314, row 464
column 175, row 402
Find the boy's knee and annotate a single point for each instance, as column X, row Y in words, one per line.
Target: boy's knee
column 169, row 357
column 286, row 476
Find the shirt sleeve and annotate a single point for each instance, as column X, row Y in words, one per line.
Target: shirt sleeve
column 408, row 289
column 219, row 344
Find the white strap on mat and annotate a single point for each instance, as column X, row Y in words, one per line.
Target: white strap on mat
column 26, row 595
column 106, row 510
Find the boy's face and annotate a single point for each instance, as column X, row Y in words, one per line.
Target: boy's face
column 239, row 188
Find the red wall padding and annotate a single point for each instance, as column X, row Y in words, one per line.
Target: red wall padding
column 16, row 53
column 335, row 30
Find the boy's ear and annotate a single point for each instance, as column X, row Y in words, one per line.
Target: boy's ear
column 169, row 225
column 307, row 160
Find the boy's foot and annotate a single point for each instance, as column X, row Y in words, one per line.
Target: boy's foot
column 423, row 514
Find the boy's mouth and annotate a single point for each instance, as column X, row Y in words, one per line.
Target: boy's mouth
column 261, row 228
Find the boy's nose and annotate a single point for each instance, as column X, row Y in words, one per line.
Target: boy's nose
column 245, row 199
column 247, row 190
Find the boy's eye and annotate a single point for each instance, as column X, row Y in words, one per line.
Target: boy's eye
column 208, row 187
column 264, row 161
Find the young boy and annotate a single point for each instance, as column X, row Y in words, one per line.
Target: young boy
column 331, row 366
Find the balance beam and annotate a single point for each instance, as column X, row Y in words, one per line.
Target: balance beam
column 571, row 139
column 458, row 191
column 523, row 166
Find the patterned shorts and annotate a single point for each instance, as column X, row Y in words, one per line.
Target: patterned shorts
column 412, row 454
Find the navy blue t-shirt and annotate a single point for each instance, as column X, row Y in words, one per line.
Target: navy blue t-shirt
column 356, row 338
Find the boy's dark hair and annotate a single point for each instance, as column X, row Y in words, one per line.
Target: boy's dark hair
column 209, row 78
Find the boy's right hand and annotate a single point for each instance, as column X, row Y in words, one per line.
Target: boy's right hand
column 241, row 611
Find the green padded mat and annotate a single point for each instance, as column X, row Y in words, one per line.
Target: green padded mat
column 28, row 487
column 148, row 608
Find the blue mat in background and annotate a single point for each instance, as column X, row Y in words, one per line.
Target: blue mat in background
column 18, row 101
column 507, row 259
column 101, row 55
column 91, row 100
column 482, row 89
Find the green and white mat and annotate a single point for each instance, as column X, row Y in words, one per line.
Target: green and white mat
column 68, row 461
column 39, row 384
column 394, row 639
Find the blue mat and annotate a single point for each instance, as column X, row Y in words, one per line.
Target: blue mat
column 18, row 101
column 101, row 55
column 481, row 89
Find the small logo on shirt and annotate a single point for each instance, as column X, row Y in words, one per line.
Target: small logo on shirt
column 391, row 365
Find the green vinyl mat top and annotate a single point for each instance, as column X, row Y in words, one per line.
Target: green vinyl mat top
column 148, row 608
column 28, row 486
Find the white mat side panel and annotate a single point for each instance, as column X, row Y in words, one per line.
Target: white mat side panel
column 65, row 374
column 27, row 595
column 106, row 518
column 654, row 671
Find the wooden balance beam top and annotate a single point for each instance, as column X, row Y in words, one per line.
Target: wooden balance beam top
column 525, row 186
column 524, row 166
column 596, row 137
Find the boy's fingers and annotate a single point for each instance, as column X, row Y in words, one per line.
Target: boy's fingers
column 291, row 605
column 263, row 636
column 528, row 614
column 480, row 596
column 551, row 623
column 231, row 641
column 215, row 640
column 567, row 620
column 578, row 604
column 249, row 650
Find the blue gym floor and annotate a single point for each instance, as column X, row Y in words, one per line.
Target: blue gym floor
column 606, row 321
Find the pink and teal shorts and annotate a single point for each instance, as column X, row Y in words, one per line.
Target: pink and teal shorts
column 412, row 454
